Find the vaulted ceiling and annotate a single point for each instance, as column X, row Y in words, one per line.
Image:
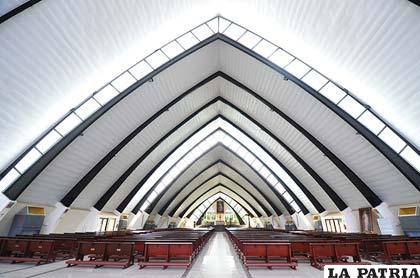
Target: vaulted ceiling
column 318, row 156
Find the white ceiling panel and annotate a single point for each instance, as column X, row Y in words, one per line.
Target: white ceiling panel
column 381, row 176
column 78, row 158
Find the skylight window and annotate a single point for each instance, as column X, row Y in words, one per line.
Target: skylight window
column 29, row 159
column 227, row 140
column 295, row 206
column 182, row 164
column 264, row 172
column 152, row 196
column 187, row 40
column 160, row 187
column 214, row 24
column 256, row 164
column 297, row 68
column 172, row 49
column 204, row 146
column 242, row 152
column 167, row 179
column 8, row 179
column 196, row 152
column 351, row 106
column 211, row 141
column 280, row 188
column 412, row 157
column 124, row 81
column 48, row 141
column 287, row 196
column 315, row 80
column 234, row 146
column 145, row 206
column 140, row 70
column 249, row 39
column 272, row 180
column 371, row 122
column 234, row 31
column 202, row 32
column 157, row 59
column 392, row 139
column 223, row 24
column 219, row 135
column 68, row 124
column 265, row 48
column 249, row 158
column 106, row 94
column 202, row 208
column 87, row 108
column 189, row 158
column 332, row 92
column 281, row 58
column 175, row 171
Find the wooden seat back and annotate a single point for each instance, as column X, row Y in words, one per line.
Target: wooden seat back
column 119, row 249
column 180, row 250
column 344, row 250
column 15, row 247
column 413, row 249
column 40, row 247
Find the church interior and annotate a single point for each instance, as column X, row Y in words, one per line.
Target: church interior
column 208, row 138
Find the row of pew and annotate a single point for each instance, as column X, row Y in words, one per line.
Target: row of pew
column 380, row 248
column 277, row 248
column 164, row 247
column 158, row 248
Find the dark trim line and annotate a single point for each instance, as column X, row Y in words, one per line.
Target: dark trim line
column 302, row 187
column 309, row 195
column 14, row 191
column 287, row 205
column 264, row 208
column 256, row 214
column 223, row 163
column 18, row 10
column 370, row 196
column 116, row 185
column 17, row 188
column 241, row 221
column 81, row 185
column 219, row 174
column 405, row 168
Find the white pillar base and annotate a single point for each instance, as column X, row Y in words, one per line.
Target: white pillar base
column 388, row 220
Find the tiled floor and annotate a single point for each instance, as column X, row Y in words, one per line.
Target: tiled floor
column 217, row 259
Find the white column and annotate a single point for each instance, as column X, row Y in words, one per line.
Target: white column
column 351, row 219
column 138, row 221
column 52, row 218
column 90, row 223
column 302, row 222
column 282, row 221
column 389, row 218
column 79, row 220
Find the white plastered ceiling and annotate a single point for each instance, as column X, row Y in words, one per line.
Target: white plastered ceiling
column 172, row 199
column 59, row 52
column 191, row 203
column 77, row 159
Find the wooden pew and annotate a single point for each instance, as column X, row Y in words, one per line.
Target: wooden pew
column 166, row 254
column 329, row 253
column 402, row 252
column 24, row 250
column 267, row 255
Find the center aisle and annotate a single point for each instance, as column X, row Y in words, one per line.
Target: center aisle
column 217, row 259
